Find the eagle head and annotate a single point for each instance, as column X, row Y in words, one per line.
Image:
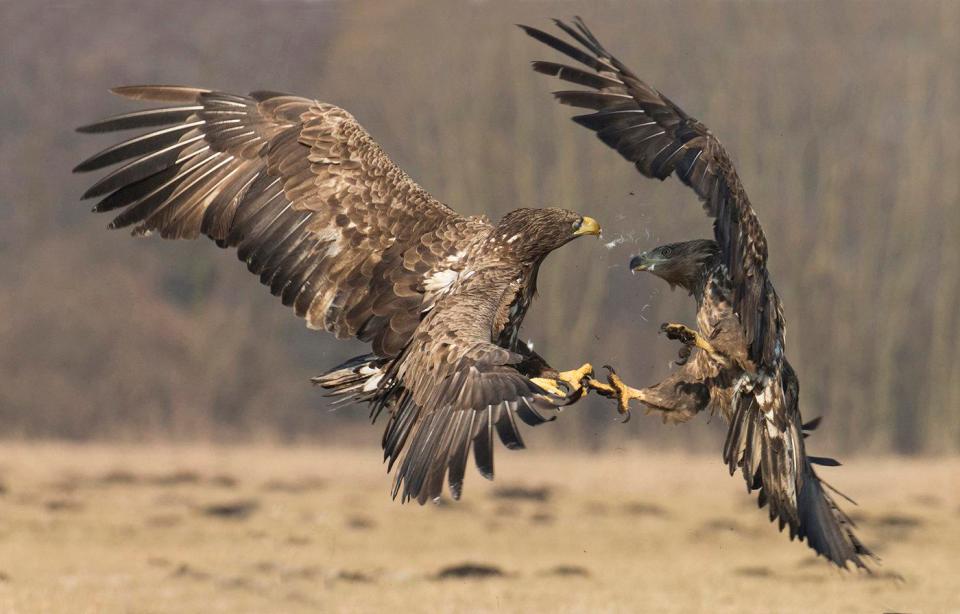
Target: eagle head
column 679, row 264
column 531, row 234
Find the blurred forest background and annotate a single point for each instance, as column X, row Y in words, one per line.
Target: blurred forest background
column 842, row 118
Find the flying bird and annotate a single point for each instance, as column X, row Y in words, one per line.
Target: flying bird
column 341, row 234
column 738, row 367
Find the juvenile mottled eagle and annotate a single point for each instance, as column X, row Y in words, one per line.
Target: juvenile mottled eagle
column 341, row 234
column 738, row 368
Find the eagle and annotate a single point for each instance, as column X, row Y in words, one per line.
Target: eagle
column 738, row 366
column 342, row 235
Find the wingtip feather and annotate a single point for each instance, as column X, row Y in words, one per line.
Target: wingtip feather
column 159, row 93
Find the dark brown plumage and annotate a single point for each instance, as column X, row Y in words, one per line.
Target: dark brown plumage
column 346, row 238
column 739, row 368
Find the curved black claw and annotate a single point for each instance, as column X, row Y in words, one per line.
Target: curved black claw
column 611, row 375
column 572, row 397
column 684, row 356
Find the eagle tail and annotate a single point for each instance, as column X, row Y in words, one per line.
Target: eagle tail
column 828, row 530
column 774, row 462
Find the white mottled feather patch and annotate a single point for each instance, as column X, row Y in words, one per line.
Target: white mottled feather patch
column 371, row 383
column 439, row 282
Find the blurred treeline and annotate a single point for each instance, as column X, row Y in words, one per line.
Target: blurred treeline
column 842, row 117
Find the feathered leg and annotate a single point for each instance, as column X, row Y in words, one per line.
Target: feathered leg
column 676, row 398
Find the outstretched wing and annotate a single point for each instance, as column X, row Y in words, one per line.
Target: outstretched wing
column 648, row 129
column 308, row 198
column 454, row 389
column 768, row 447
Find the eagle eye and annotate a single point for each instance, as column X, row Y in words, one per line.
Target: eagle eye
column 577, row 225
column 667, row 252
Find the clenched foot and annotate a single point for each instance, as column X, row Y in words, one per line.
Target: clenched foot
column 690, row 338
column 572, row 380
column 575, row 377
column 615, row 388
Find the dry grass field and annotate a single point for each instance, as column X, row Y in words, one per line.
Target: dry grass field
column 263, row 529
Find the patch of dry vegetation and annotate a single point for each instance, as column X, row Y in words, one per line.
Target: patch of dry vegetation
column 93, row 528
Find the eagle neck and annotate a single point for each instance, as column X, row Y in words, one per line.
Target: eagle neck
column 524, row 289
column 698, row 284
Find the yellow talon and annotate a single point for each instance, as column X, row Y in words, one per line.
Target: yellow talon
column 550, row 385
column 615, row 388
column 692, row 338
column 574, row 378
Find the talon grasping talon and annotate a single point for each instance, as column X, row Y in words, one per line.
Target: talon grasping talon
column 615, row 388
column 575, row 377
column 572, row 380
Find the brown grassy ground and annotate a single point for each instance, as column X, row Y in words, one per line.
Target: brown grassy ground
column 261, row 529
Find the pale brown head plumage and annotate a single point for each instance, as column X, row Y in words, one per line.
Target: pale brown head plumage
column 531, row 234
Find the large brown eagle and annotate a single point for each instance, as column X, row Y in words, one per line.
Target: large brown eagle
column 738, row 368
column 346, row 238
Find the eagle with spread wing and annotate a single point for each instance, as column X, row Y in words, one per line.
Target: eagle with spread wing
column 737, row 366
column 336, row 230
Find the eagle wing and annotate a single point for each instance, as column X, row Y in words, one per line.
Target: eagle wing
column 648, row 129
column 459, row 389
column 308, row 198
column 339, row 232
column 765, row 437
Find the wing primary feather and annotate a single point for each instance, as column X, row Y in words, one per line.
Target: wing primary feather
column 160, row 93
column 136, row 191
column 579, row 37
column 507, row 429
column 459, row 453
column 143, row 167
column 575, row 75
column 592, row 100
column 147, row 118
column 483, row 445
column 562, row 46
column 143, row 144
column 148, row 207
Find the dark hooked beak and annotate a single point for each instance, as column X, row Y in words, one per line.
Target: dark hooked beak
column 640, row 263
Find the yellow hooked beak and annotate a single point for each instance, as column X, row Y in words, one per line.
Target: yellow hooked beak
column 588, row 226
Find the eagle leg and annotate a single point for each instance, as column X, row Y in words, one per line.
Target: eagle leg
column 573, row 381
column 691, row 339
column 615, row 388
